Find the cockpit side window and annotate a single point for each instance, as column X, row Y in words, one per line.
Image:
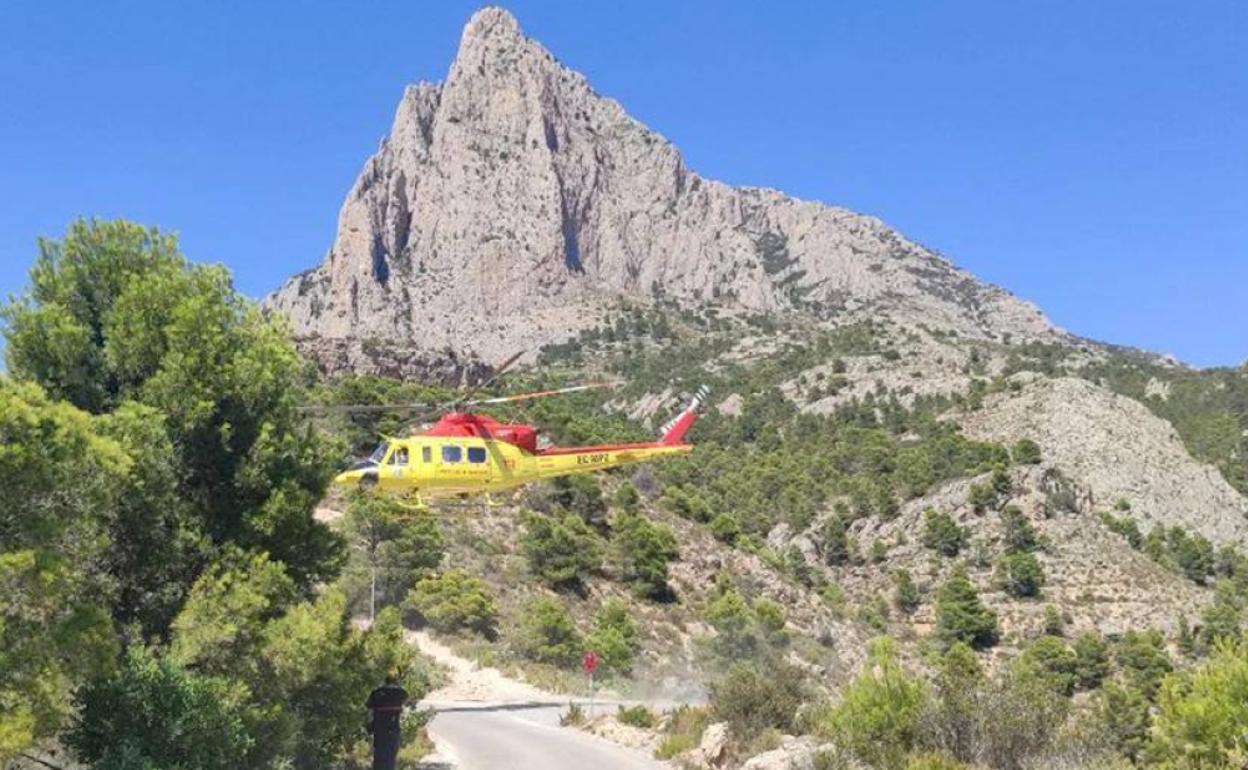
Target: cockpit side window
column 399, row 457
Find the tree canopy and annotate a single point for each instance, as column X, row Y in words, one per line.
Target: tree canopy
column 165, row 592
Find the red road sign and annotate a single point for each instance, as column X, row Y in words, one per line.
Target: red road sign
column 589, row 662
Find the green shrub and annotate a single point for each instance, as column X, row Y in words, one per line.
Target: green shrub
column 753, row 698
column 636, row 716
column 730, row 616
column 1222, row 619
column 981, row 497
column 1202, row 717
column 644, row 550
column 770, row 615
column 614, row 638
column 1019, row 716
column 1017, row 532
column 574, row 717
column 834, row 596
column 153, row 713
column 1050, row 660
column 454, row 601
column 1025, row 452
column 879, row 551
column 1191, row 554
column 1020, row 575
column 686, row 503
column 742, row 631
column 561, row 550
column 1125, row 713
column 685, row 725
column 879, row 714
column 1053, row 622
column 1143, row 660
column 961, row 616
column 1124, row 526
column 836, row 547
column 942, row 534
column 1091, row 660
column 933, row 762
column 1000, row 481
column 391, row 549
column 874, row 612
column 906, row 596
column 726, row 527
column 548, row 635
column 580, row 496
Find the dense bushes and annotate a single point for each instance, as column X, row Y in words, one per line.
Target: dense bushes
column 454, row 601
column 1202, row 719
column 614, row 638
column 548, row 634
column 561, row 549
column 643, row 550
column 392, row 547
column 160, row 560
column 745, row 470
column 151, row 710
column 752, row 698
column 879, row 714
column 743, row 631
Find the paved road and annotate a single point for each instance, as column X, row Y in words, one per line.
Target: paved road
column 524, row 736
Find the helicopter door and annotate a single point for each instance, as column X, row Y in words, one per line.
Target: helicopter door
column 395, row 469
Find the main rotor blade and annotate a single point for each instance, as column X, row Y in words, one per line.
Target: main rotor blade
column 541, row 393
column 499, row 371
column 354, row 408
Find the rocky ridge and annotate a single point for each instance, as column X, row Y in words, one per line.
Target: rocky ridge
column 511, row 205
column 1119, row 450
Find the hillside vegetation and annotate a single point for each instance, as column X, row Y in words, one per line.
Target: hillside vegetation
column 846, row 572
column 1006, row 585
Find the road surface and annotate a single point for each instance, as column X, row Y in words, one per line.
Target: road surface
column 474, row 735
column 487, row 721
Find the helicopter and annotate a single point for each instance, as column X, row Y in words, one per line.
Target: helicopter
column 465, row 453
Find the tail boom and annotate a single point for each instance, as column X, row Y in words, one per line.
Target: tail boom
column 671, row 441
column 673, row 431
column 562, row 462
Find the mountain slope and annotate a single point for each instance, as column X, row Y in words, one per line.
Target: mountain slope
column 511, row 205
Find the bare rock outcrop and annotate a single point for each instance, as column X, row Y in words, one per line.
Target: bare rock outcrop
column 511, row 204
column 1119, row 449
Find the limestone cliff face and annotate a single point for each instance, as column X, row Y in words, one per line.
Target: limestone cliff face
column 511, row 205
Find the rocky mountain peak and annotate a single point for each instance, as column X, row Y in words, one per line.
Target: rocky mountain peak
column 491, row 21
column 511, row 206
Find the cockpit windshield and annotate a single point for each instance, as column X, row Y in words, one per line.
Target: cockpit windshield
column 379, row 453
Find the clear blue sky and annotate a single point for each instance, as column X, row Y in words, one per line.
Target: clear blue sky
column 1090, row 156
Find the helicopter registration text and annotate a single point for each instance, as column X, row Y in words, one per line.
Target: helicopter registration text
column 592, row 459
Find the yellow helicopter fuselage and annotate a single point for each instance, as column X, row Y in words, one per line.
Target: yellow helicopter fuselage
column 470, row 453
column 434, row 466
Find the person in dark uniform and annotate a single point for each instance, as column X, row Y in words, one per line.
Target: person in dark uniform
column 386, row 704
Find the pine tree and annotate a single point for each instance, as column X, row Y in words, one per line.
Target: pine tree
column 961, row 616
column 1091, row 660
column 942, row 534
column 1017, row 532
column 906, row 595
